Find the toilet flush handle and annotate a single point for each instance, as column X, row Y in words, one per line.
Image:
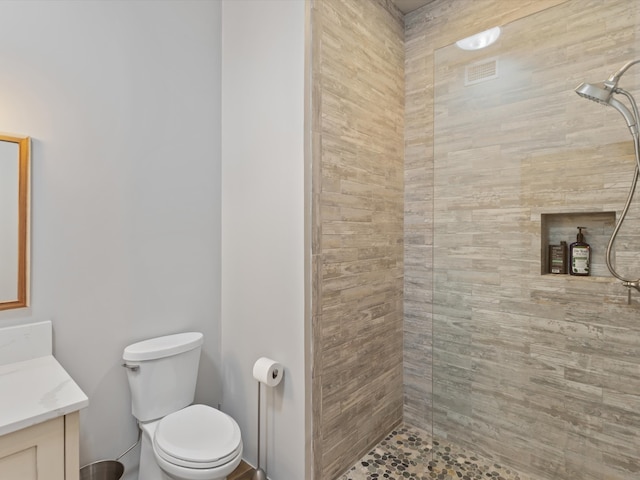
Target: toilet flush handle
column 133, row 368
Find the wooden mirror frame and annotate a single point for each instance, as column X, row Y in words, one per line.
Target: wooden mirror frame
column 24, row 145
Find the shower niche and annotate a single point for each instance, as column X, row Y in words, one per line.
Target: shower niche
column 557, row 227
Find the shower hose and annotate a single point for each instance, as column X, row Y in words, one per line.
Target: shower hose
column 636, row 146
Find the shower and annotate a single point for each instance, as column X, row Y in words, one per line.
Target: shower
column 603, row 93
column 599, row 93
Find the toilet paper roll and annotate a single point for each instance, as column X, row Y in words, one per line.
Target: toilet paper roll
column 268, row 371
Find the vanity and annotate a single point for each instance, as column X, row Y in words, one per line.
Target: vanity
column 39, row 408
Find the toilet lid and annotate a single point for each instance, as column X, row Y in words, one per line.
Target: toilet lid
column 198, row 436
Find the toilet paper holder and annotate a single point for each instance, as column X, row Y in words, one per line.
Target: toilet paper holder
column 270, row 373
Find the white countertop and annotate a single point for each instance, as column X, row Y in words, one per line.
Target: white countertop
column 33, row 388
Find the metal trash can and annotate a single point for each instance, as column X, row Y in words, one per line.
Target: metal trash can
column 102, row 470
column 107, row 469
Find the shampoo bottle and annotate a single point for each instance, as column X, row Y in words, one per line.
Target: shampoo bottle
column 579, row 256
column 558, row 258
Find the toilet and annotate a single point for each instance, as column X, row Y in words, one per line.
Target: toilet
column 180, row 441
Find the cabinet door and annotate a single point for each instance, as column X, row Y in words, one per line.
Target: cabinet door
column 34, row 453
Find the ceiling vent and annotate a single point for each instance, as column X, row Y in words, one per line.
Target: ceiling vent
column 482, row 71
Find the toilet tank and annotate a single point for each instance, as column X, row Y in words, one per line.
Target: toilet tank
column 162, row 374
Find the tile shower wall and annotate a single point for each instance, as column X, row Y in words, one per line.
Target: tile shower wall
column 357, row 244
column 539, row 372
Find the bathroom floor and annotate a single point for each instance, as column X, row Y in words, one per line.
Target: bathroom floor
column 243, row 472
column 410, row 453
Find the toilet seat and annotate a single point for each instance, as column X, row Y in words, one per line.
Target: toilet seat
column 198, row 437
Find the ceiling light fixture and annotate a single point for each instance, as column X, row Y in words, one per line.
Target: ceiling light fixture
column 479, row 40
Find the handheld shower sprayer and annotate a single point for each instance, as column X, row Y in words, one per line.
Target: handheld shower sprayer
column 603, row 93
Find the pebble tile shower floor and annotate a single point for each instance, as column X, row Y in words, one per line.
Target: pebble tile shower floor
column 410, row 453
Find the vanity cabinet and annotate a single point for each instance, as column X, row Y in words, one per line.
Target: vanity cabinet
column 39, row 408
column 45, row 451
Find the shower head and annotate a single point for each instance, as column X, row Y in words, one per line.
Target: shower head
column 602, row 94
column 595, row 92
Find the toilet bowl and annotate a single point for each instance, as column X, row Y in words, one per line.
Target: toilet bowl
column 180, row 441
column 195, row 443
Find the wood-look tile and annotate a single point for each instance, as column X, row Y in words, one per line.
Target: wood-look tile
column 522, row 350
column 244, row 471
column 358, row 161
column 521, row 365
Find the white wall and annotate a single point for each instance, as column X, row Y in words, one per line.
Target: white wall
column 122, row 100
column 263, row 46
